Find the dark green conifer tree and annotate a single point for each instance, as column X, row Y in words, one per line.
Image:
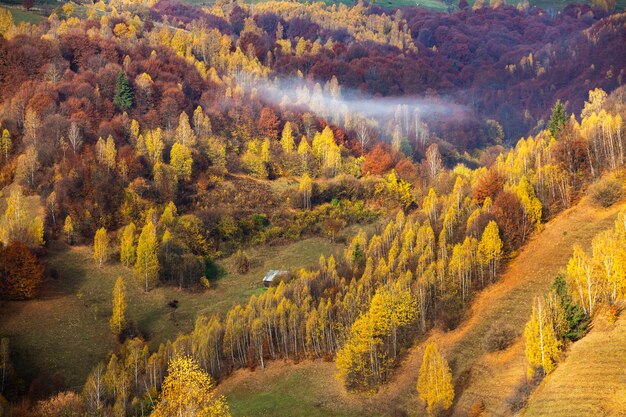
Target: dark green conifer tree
column 123, row 98
column 558, row 118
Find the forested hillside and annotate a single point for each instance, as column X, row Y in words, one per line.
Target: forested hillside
column 158, row 159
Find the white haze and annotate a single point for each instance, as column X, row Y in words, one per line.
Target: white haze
column 350, row 108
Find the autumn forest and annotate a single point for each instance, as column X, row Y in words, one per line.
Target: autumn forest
column 434, row 194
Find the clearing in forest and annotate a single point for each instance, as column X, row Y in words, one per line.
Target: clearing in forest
column 66, row 329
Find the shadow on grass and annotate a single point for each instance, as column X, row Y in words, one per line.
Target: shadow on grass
column 70, row 274
column 214, row 271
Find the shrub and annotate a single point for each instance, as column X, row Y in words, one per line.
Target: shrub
column 63, row 404
column 242, row 262
column 477, row 409
column 499, row 338
column 21, row 274
column 612, row 313
column 606, row 192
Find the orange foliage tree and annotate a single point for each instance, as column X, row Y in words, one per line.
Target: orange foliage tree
column 20, row 272
column 378, row 161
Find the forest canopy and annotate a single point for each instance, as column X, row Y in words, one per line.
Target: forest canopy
column 161, row 138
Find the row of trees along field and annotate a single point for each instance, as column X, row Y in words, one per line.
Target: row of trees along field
column 420, row 270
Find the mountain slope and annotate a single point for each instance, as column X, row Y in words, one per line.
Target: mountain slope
column 479, row 375
column 591, row 381
column 493, row 377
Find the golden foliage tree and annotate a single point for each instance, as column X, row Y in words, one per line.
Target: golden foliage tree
column 188, row 391
column 490, row 248
column 151, row 143
column 127, row 245
column 542, row 344
column 253, row 159
column 68, row 229
column 306, row 188
column 434, row 383
column 304, row 150
column 532, row 205
column 101, row 247
column 181, row 161
column 581, row 277
column 147, row 263
column 6, row 20
column 27, row 166
column 185, row 135
column 118, row 317
column 286, row 140
column 110, row 153
column 5, row 141
column 364, row 361
column 326, row 150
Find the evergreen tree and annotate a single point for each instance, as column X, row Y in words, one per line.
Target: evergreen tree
column 123, row 98
column 557, row 119
column 577, row 320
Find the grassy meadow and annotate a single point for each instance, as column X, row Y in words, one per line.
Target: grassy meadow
column 66, row 329
column 283, row 385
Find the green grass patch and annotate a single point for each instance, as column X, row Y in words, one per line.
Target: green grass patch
column 232, row 288
column 20, row 16
column 297, row 393
column 66, row 330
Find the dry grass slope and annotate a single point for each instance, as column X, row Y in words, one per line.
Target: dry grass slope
column 591, row 381
column 479, row 375
column 493, row 377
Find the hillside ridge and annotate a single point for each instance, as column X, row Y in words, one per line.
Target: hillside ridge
column 493, row 377
column 591, row 380
column 490, row 377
